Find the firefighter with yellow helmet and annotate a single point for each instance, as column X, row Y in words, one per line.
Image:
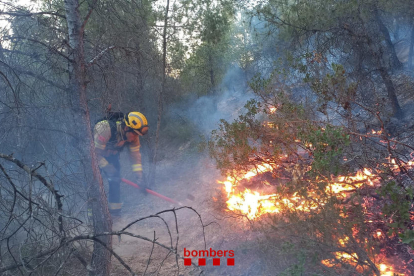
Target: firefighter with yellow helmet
column 111, row 135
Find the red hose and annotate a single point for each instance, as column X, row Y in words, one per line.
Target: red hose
column 126, row 181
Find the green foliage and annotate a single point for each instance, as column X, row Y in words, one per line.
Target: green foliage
column 258, row 83
column 216, row 26
column 408, row 237
column 396, row 210
column 333, row 87
column 357, row 34
column 236, row 143
column 327, row 147
column 204, row 70
column 323, row 223
column 209, row 50
column 231, row 145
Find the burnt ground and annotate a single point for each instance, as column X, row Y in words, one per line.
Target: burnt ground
column 197, row 177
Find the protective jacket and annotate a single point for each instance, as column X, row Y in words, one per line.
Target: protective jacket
column 109, row 138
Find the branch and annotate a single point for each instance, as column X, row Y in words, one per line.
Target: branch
column 16, row 98
column 178, row 237
column 166, row 211
column 50, row 48
column 32, row 13
column 49, row 130
column 66, row 259
column 97, row 57
column 115, row 255
column 8, row 82
column 285, row 23
column 41, row 78
column 95, row 238
column 44, row 181
column 87, row 17
column 119, row 233
column 149, row 258
column 379, row 136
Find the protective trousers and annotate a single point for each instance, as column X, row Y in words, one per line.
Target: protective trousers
column 114, row 181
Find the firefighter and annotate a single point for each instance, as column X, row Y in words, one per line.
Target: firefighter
column 111, row 135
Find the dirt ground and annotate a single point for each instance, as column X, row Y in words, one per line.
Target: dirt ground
column 197, row 177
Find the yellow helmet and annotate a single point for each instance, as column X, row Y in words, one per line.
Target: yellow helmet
column 135, row 120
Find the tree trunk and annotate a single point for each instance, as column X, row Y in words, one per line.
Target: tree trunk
column 391, row 92
column 212, row 77
column 101, row 258
column 160, row 95
column 378, row 54
column 411, row 50
column 395, row 63
column 139, row 79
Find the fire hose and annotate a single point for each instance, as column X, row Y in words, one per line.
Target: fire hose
column 126, row 181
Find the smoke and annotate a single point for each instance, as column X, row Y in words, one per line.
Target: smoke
column 401, row 40
column 206, row 112
column 254, row 36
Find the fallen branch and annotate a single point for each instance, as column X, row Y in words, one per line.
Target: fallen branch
column 44, row 181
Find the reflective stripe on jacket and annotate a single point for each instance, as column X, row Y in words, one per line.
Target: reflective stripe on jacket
column 106, row 145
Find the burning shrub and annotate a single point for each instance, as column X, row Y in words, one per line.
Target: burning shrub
column 342, row 194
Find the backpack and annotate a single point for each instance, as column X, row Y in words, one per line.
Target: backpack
column 112, row 118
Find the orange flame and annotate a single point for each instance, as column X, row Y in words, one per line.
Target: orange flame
column 272, row 109
column 388, row 270
column 253, row 204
